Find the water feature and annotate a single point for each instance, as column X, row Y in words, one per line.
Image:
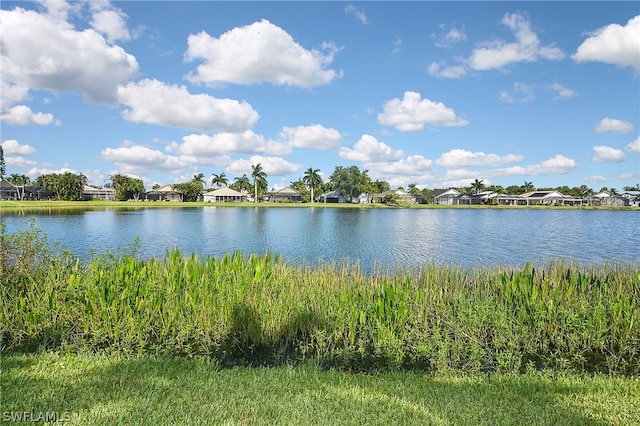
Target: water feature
column 386, row 237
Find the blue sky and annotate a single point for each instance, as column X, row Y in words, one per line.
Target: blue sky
column 432, row 93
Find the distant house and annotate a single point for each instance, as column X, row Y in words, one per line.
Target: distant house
column 223, row 195
column 287, row 194
column 550, row 198
column 9, row 191
column 332, row 197
column 603, row 198
column 90, row 192
column 164, row 193
column 401, row 195
column 444, row 196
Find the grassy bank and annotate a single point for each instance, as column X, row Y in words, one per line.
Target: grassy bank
column 259, row 310
column 107, row 390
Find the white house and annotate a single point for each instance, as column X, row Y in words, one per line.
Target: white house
column 223, row 195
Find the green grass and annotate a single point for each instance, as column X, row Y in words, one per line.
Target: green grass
column 107, row 390
column 259, row 310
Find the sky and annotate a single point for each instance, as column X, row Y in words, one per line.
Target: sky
column 437, row 94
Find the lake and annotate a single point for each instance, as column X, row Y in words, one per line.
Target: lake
column 385, row 237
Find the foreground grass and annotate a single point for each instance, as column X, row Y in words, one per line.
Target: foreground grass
column 107, row 390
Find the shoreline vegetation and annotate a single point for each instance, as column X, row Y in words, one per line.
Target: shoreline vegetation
column 11, row 205
column 253, row 340
column 259, row 310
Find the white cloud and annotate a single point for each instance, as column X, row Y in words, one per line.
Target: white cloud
column 634, row 146
column 441, row 70
column 12, row 93
column 607, row 154
column 463, row 158
column 595, row 179
column 20, row 161
column 411, row 166
column 246, row 142
column 614, row 125
column 628, row 176
column 12, row 146
column 59, row 59
column 21, row 115
column 358, row 13
column 140, row 159
column 154, row 102
column 449, row 35
column 369, row 150
column 561, row 91
column 614, row 44
column 498, row 53
column 520, row 93
column 412, row 113
column 111, row 23
column 559, row 164
column 272, row 166
column 313, row 136
column 257, row 53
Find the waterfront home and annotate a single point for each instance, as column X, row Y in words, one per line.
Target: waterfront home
column 223, row 195
column 332, row 197
column 550, row 198
column 91, row 192
column 287, row 194
column 400, row 195
column 9, row 191
column 444, row 196
column 164, row 193
column 604, row 198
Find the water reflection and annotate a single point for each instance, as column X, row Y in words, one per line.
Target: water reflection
column 389, row 238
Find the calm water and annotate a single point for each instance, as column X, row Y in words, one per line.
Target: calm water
column 389, row 238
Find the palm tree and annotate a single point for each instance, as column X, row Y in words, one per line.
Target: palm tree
column 312, row 179
column 477, row 185
column 219, row 180
column 242, row 183
column 528, row 187
column 259, row 179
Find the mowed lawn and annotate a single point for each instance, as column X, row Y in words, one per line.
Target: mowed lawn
column 111, row 389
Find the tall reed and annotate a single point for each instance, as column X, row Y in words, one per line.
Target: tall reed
column 257, row 309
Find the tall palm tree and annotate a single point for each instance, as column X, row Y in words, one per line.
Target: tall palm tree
column 259, row 179
column 477, row 185
column 219, row 180
column 312, row 179
column 199, row 178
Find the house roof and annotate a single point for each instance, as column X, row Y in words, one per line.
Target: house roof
column 288, row 190
column 440, row 192
column 224, row 192
column 542, row 194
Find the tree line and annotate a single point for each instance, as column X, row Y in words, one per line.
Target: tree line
column 350, row 182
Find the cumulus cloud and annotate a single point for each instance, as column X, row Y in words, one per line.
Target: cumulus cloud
column 12, row 146
column 412, row 165
column 141, row 159
column 314, row 136
column 607, row 154
column 595, row 179
column 260, row 52
column 496, row 54
column 464, row 158
column 272, row 166
column 614, row 125
column 228, row 143
column 613, row 44
column 58, row 60
column 21, row 115
column 558, row 164
column 112, row 24
column 369, row 150
column 412, row 113
column 634, row 146
column 358, row 13
column 151, row 101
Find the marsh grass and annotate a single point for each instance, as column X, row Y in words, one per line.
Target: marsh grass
column 258, row 310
